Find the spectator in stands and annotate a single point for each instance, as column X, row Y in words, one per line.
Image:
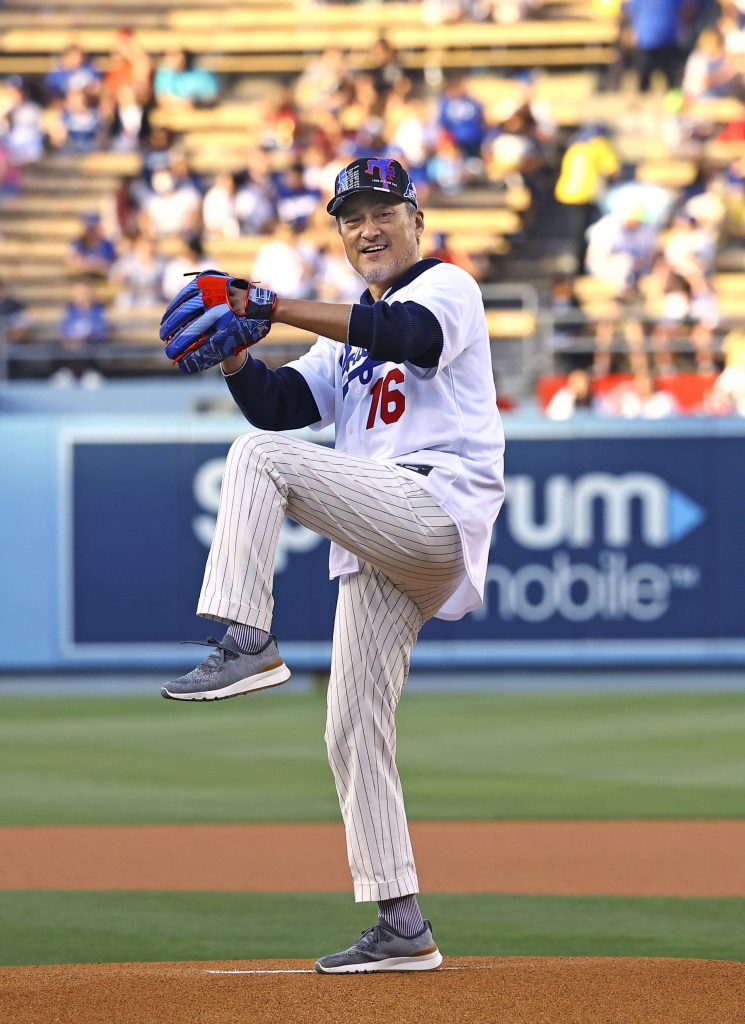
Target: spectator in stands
column 127, row 121
column 287, row 261
column 182, row 173
column 156, row 154
column 321, row 79
column 573, row 397
column 180, row 82
column 447, row 168
column 130, row 67
column 219, row 213
column 589, row 162
column 188, row 257
column 620, row 252
column 709, row 73
column 169, row 210
column 514, row 149
column 641, row 398
column 657, row 27
column 254, row 201
column 461, row 116
column 362, row 104
column 80, row 122
column 91, row 254
column 296, row 203
column 139, row 274
column 384, row 67
column 13, row 320
column 21, row 121
column 75, row 71
column 690, row 251
column 282, row 121
column 83, row 324
column 684, row 312
column 127, row 92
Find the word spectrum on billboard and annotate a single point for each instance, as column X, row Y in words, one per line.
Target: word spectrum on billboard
column 610, row 516
column 571, row 509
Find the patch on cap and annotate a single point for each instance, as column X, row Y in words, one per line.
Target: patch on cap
column 372, row 174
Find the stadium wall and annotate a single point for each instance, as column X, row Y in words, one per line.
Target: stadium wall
column 619, row 544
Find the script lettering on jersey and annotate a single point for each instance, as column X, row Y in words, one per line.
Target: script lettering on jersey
column 356, row 364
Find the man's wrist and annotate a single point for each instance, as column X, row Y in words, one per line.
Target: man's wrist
column 233, row 364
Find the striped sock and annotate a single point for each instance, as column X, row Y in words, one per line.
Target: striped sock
column 249, row 638
column 402, row 914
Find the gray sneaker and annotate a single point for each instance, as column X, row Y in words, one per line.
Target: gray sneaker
column 228, row 672
column 381, row 949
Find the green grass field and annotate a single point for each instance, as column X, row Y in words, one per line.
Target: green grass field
column 469, row 756
column 136, row 760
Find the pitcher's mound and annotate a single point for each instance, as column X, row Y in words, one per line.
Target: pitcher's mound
column 509, row 990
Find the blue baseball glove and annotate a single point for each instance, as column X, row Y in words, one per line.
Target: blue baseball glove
column 201, row 327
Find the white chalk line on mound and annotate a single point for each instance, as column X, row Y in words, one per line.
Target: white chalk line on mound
column 282, row 970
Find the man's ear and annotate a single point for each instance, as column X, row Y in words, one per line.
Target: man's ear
column 419, row 223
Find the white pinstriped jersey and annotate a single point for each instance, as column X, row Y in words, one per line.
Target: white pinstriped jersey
column 445, row 417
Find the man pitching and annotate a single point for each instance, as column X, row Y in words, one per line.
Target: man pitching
column 408, row 498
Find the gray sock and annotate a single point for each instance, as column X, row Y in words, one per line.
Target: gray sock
column 402, row 914
column 249, row 638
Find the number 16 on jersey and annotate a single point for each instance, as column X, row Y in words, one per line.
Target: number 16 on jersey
column 386, row 399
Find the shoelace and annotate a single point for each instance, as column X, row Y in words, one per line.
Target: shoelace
column 369, row 937
column 220, row 653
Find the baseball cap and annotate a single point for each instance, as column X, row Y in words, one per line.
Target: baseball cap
column 372, row 174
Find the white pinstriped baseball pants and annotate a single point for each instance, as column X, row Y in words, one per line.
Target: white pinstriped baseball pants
column 410, row 562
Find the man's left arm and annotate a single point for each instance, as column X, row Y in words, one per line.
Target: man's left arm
column 396, row 332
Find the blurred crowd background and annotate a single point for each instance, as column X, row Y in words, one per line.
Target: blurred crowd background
column 583, row 159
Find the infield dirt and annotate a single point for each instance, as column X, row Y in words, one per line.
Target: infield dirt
column 467, row 991
column 611, row 858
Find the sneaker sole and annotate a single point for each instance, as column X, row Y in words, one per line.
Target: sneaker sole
column 429, row 962
column 251, row 684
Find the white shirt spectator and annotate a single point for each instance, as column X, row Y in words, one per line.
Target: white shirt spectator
column 253, row 209
column 286, row 265
column 219, row 208
column 172, row 211
column 619, row 252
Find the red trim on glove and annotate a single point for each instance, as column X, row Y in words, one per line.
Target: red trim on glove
column 214, row 290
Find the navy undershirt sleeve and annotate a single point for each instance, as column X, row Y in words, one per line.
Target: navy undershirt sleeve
column 397, row 332
column 273, row 399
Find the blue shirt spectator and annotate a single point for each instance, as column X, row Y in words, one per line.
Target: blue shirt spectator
column 656, row 23
column 84, row 320
column 74, row 71
column 90, row 252
column 296, row 203
column 462, row 117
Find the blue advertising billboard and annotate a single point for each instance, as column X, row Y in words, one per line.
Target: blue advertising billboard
column 608, row 545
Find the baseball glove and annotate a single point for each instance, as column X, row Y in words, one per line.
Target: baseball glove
column 201, row 327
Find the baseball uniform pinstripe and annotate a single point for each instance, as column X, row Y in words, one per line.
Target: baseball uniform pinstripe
column 411, row 561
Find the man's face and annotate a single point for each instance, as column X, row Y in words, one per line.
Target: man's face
column 380, row 235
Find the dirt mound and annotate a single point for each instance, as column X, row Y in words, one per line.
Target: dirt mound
column 514, row 990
